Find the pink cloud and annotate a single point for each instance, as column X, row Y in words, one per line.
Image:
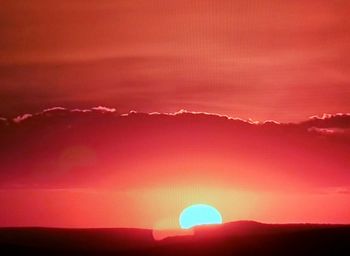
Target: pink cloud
column 21, row 118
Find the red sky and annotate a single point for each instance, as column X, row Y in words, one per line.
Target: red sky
column 92, row 168
column 281, row 60
column 265, row 60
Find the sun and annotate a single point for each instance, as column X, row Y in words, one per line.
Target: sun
column 199, row 214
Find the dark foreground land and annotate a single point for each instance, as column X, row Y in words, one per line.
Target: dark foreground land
column 236, row 238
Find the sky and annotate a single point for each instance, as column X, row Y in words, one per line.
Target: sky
column 123, row 113
column 280, row 60
column 97, row 168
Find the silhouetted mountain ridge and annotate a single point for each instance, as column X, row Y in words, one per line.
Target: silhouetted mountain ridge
column 239, row 238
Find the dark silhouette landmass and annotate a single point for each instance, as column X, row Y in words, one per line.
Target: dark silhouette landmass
column 236, row 238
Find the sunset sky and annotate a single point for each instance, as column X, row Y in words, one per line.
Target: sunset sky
column 122, row 113
column 281, row 60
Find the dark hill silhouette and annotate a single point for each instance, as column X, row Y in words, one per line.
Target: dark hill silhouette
column 236, row 238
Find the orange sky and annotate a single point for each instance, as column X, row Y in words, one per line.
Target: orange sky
column 281, row 60
column 266, row 60
column 93, row 168
column 159, row 208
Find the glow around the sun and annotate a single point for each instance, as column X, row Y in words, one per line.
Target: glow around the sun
column 199, row 214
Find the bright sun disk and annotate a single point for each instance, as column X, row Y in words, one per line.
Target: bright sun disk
column 199, row 214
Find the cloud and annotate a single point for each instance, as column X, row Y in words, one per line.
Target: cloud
column 330, row 131
column 186, row 112
column 339, row 120
column 104, row 109
column 322, row 124
column 72, row 148
column 53, row 109
column 21, row 118
column 56, row 111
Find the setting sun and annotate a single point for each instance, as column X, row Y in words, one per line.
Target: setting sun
column 199, row 214
column 190, row 127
